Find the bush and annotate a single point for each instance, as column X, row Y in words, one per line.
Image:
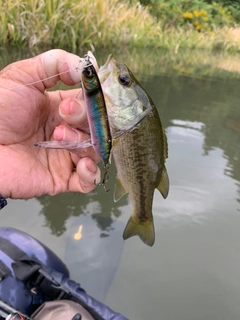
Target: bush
column 200, row 15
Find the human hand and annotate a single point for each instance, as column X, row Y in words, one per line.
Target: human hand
column 30, row 114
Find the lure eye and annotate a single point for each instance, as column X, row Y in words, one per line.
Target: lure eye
column 124, row 79
column 89, row 72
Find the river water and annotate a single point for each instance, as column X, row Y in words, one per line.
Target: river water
column 193, row 269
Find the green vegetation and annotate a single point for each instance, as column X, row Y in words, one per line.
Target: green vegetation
column 76, row 24
column 202, row 15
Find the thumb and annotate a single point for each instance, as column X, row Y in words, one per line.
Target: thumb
column 58, row 65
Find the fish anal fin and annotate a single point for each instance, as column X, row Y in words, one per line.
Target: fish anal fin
column 143, row 229
column 163, row 186
column 119, row 190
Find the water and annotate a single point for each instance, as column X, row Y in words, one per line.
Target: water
column 193, row 269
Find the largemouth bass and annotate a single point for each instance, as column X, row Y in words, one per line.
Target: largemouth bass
column 139, row 146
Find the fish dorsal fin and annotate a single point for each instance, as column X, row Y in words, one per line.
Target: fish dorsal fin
column 165, row 146
column 163, row 186
column 119, row 190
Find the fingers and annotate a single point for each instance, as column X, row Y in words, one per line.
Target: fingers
column 64, row 133
column 85, row 177
column 46, row 69
column 60, row 65
column 73, row 111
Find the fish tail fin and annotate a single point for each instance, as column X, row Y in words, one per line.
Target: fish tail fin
column 143, row 229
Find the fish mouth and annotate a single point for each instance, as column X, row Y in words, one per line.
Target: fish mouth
column 106, row 69
column 110, row 57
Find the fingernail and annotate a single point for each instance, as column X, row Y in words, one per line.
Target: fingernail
column 94, row 170
column 91, row 166
column 70, row 107
column 59, row 133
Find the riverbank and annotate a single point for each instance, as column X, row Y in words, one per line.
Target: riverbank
column 77, row 24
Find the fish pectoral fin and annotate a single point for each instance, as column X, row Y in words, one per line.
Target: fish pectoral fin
column 114, row 143
column 120, row 133
column 163, row 186
column 131, row 125
column 119, row 190
column 110, row 157
column 143, row 229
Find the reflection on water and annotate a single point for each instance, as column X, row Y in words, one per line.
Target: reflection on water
column 192, row 271
column 212, row 107
column 99, row 204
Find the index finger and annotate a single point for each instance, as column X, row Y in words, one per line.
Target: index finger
column 44, row 70
column 60, row 65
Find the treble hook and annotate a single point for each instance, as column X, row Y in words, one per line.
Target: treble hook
column 86, row 59
column 104, row 179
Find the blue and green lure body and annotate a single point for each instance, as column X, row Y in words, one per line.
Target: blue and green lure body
column 96, row 111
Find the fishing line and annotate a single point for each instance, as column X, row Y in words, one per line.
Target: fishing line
column 77, row 68
column 38, row 81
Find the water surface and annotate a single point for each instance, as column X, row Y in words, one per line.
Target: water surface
column 193, row 269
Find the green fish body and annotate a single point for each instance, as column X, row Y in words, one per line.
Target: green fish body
column 139, row 148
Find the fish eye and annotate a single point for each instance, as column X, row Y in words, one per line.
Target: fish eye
column 124, row 79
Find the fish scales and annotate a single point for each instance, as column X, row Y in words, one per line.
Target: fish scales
column 135, row 165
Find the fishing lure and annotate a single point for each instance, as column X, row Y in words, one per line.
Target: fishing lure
column 101, row 139
column 97, row 114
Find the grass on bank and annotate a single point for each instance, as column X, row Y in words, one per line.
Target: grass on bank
column 193, row 63
column 76, row 24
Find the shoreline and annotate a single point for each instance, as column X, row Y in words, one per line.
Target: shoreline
column 147, row 63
